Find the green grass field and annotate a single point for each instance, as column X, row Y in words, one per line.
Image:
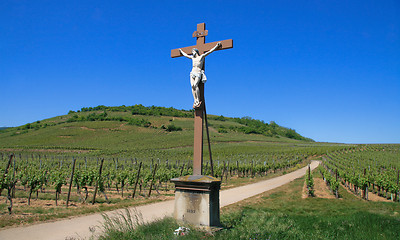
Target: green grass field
column 282, row 214
column 106, row 137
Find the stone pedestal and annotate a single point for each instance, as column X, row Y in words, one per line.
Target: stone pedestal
column 197, row 200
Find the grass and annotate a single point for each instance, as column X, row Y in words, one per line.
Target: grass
column 283, row 214
column 129, row 225
column 115, row 138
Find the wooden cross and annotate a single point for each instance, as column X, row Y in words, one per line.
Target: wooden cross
column 203, row 47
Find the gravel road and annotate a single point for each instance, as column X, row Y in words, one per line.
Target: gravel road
column 79, row 227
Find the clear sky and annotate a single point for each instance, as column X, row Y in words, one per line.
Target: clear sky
column 328, row 69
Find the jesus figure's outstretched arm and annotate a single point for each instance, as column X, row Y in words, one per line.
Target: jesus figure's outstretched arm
column 212, row 49
column 184, row 54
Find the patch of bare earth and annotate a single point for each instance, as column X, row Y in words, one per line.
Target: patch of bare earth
column 371, row 196
column 374, row 197
column 123, row 126
column 321, row 190
column 304, row 193
column 65, row 136
column 86, row 128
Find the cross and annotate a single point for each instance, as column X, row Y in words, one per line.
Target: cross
column 203, row 47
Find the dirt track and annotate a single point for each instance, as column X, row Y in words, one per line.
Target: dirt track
column 79, row 227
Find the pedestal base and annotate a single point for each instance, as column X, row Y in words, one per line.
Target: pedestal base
column 197, row 200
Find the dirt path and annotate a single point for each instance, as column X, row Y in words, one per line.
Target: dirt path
column 79, row 227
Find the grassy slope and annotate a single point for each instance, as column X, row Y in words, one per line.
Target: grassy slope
column 283, row 214
column 120, row 138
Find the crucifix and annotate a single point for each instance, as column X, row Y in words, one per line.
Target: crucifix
column 197, row 53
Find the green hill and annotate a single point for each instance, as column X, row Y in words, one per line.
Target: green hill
column 141, row 132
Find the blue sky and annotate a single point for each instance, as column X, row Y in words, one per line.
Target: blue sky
column 328, row 69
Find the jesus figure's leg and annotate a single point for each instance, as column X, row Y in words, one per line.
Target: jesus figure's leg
column 195, row 91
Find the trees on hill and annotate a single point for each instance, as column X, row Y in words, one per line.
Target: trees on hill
column 248, row 124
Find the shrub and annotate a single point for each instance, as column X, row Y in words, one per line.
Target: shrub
column 139, row 122
column 172, row 127
column 222, row 130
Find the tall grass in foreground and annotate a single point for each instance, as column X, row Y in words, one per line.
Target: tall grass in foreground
column 282, row 214
column 123, row 221
column 129, row 224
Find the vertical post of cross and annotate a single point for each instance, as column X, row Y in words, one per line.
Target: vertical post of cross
column 198, row 115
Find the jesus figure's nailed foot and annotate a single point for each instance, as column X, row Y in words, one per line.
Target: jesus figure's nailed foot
column 198, row 105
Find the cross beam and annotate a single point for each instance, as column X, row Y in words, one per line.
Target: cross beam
column 200, row 35
column 203, row 47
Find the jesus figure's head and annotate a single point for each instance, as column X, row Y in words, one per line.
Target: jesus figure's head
column 195, row 51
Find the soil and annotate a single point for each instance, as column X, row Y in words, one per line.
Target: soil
column 374, row 197
column 90, row 129
column 321, row 190
column 371, row 196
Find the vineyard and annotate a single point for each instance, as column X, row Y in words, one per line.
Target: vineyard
column 35, row 175
column 93, row 180
column 98, row 180
column 370, row 168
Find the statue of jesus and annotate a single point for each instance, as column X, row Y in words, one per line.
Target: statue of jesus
column 197, row 73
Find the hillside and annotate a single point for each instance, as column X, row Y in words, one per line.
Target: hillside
column 139, row 131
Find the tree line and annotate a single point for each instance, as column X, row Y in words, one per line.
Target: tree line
column 251, row 126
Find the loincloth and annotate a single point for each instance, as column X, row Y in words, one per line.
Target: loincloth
column 200, row 75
